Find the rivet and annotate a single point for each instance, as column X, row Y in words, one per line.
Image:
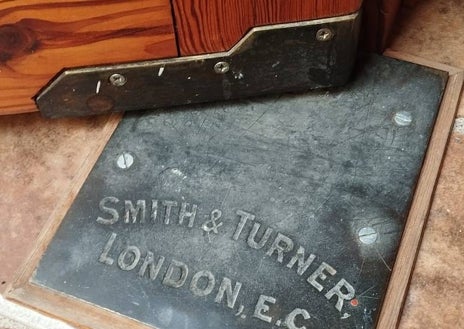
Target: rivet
column 118, row 80
column 221, row 67
column 324, row 34
column 368, row 235
column 125, row 160
column 403, row 118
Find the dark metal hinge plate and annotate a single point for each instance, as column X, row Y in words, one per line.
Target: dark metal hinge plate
column 269, row 59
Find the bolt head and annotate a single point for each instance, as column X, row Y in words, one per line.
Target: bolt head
column 221, row 67
column 324, row 34
column 118, row 80
column 125, row 160
column 402, row 118
column 367, row 235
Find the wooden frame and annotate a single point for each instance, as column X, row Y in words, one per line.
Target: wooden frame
column 423, row 196
column 82, row 313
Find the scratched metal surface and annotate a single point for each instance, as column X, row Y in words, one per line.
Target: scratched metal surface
column 314, row 168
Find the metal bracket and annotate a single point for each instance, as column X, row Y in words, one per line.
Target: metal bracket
column 269, row 59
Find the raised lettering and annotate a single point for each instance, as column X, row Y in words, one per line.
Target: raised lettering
column 213, row 224
column 131, row 212
column 319, row 273
column 210, row 282
column 154, row 210
column 302, row 263
column 291, row 318
column 167, row 213
column 129, row 263
column 262, row 307
column 110, row 211
column 281, row 244
column 244, row 217
column 104, row 258
column 183, row 213
column 149, row 262
column 337, row 290
column 182, row 270
column 231, row 295
column 252, row 236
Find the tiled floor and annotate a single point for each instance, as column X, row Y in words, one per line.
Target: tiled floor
column 435, row 30
column 14, row 317
column 39, row 159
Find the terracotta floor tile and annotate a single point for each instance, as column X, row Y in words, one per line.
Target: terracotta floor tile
column 436, row 292
column 433, row 29
column 38, row 158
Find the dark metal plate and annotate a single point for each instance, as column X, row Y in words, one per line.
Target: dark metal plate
column 269, row 59
column 278, row 212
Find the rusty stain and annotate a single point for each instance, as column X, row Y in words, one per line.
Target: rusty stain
column 100, row 103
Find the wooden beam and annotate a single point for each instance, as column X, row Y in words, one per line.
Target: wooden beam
column 40, row 38
column 206, row 26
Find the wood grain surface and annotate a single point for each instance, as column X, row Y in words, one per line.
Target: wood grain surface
column 39, row 38
column 205, row 26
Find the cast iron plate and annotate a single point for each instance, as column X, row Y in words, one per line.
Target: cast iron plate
column 326, row 178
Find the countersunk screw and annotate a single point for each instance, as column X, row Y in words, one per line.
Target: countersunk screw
column 221, row 67
column 118, row 80
column 324, row 34
column 403, row 118
column 125, row 160
column 367, row 235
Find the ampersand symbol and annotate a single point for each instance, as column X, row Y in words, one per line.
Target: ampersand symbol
column 213, row 224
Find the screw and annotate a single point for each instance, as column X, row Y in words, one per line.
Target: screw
column 324, row 34
column 403, row 118
column 368, row 235
column 221, row 67
column 118, row 80
column 125, row 160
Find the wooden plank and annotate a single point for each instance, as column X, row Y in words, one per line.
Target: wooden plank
column 38, row 39
column 283, row 11
column 418, row 214
column 205, row 26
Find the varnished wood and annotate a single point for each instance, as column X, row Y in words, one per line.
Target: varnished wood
column 205, row 26
column 40, row 38
column 418, row 214
column 378, row 19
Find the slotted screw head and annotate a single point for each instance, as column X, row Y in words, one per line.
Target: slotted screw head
column 221, row 67
column 367, row 235
column 125, row 160
column 403, row 118
column 324, row 34
column 118, row 80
